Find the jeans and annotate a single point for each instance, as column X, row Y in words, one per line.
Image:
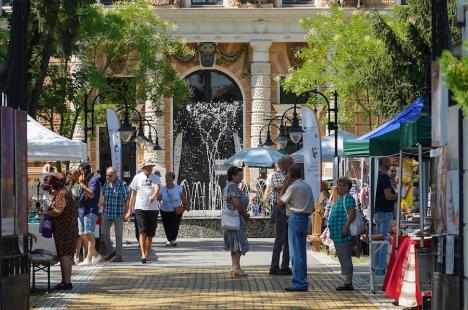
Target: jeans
column 297, row 234
column 281, row 241
column 118, row 228
column 383, row 221
column 171, row 223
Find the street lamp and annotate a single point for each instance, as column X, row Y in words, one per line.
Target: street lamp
column 150, row 145
column 332, row 125
column 282, row 139
column 268, row 142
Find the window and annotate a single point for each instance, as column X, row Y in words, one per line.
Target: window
column 284, row 96
column 206, row 2
column 293, row 2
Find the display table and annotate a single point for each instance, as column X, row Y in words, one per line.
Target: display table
column 41, row 243
column 401, row 280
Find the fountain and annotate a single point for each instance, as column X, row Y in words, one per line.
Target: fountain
column 213, row 123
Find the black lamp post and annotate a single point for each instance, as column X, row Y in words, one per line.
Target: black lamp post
column 126, row 130
column 268, row 142
column 282, row 139
column 152, row 146
column 332, row 125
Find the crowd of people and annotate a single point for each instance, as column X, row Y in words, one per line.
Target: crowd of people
column 78, row 198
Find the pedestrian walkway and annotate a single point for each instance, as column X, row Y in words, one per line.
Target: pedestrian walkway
column 195, row 275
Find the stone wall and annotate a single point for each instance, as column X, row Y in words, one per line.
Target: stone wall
column 205, row 228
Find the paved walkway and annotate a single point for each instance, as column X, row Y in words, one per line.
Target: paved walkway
column 195, row 275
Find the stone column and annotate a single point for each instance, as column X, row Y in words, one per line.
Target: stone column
column 158, row 122
column 260, row 88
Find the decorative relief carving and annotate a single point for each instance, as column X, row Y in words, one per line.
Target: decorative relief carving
column 261, row 93
column 261, row 105
column 260, row 81
column 208, row 53
column 261, row 68
column 259, row 118
column 260, row 26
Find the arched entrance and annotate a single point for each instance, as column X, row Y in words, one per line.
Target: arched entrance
column 210, row 123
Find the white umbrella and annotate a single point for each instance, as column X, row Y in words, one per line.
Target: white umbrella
column 257, row 157
column 328, row 147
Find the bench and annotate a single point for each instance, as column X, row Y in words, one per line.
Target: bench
column 40, row 260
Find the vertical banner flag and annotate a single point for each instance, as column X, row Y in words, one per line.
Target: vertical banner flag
column 237, row 143
column 312, row 150
column 114, row 141
column 177, row 155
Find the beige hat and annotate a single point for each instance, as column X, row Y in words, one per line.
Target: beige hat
column 146, row 163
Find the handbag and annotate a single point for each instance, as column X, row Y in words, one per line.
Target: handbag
column 178, row 210
column 357, row 225
column 46, row 231
column 230, row 219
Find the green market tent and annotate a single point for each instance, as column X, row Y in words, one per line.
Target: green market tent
column 385, row 140
column 414, row 132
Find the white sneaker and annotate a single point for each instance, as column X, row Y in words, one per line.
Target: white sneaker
column 85, row 262
column 76, row 260
column 169, row 243
column 96, row 259
column 173, row 243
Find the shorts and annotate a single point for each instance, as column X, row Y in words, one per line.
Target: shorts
column 87, row 224
column 147, row 221
column 344, row 251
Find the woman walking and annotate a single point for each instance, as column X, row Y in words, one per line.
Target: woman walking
column 341, row 216
column 236, row 240
column 64, row 226
column 173, row 204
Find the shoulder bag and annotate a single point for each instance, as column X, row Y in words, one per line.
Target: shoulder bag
column 357, row 225
column 230, row 219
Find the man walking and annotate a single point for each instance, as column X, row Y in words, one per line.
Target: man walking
column 88, row 212
column 384, row 204
column 115, row 196
column 145, row 188
column 298, row 198
column 280, row 220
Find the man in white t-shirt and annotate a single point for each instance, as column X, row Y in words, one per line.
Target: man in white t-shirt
column 145, row 188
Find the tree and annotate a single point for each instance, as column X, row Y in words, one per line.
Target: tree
column 455, row 75
column 124, row 39
column 339, row 53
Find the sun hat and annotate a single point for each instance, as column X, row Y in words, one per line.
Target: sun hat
column 147, row 163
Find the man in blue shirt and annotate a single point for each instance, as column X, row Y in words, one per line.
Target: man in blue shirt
column 88, row 212
column 384, row 202
column 114, row 201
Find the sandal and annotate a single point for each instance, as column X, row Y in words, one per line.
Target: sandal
column 63, row 286
column 144, row 260
column 345, row 287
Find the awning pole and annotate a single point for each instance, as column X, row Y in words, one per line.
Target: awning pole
column 372, row 180
column 421, row 195
column 400, row 181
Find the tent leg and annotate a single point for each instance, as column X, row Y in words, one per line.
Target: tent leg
column 372, row 172
column 422, row 210
column 399, row 201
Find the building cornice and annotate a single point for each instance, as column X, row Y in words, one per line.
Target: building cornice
column 219, row 24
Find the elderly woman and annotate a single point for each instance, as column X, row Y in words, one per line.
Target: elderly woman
column 236, row 240
column 341, row 216
column 173, row 204
column 64, row 226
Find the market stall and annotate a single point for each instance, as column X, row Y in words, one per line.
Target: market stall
column 46, row 145
column 407, row 135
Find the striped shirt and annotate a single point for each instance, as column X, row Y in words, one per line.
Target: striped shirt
column 277, row 180
column 115, row 197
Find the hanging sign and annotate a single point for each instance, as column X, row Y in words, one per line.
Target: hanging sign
column 114, row 141
column 312, row 150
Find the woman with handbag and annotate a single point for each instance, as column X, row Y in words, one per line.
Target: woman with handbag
column 173, row 204
column 233, row 217
column 342, row 215
column 64, row 226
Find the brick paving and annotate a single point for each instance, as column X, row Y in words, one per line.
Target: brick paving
column 195, row 275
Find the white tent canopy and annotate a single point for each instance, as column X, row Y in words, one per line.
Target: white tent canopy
column 328, row 147
column 44, row 144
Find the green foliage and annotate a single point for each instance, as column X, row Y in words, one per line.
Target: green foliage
column 123, row 40
column 455, row 75
column 340, row 52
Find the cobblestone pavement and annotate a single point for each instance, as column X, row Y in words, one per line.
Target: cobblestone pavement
column 195, row 275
